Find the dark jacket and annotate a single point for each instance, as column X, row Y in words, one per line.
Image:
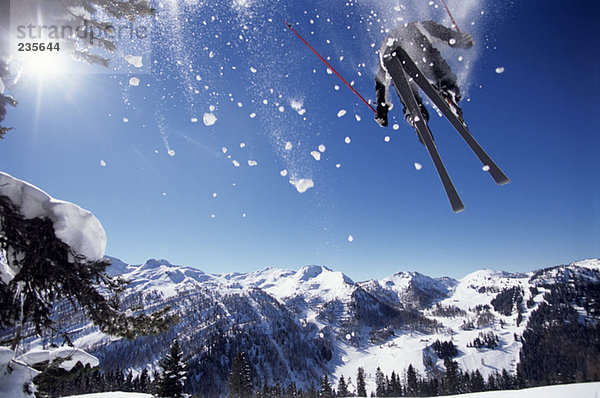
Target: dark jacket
column 417, row 39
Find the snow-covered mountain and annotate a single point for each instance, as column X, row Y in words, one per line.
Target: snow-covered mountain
column 297, row 325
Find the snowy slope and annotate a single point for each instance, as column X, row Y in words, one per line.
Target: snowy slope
column 297, row 324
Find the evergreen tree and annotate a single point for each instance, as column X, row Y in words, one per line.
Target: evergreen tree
column 343, row 387
column 48, row 271
column 240, row 383
column 144, row 381
column 361, row 390
column 411, row 381
column 170, row 383
column 395, row 388
column 451, row 377
column 325, row 391
column 477, row 382
column 379, row 383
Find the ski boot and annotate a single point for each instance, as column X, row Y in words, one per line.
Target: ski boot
column 452, row 100
column 412, row 121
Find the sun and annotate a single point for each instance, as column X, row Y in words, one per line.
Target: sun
column 42, row 64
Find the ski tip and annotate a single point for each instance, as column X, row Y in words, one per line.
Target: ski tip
column 458, row 209
column 503, row 181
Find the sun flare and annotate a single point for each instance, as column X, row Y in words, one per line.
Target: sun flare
column 42, row 64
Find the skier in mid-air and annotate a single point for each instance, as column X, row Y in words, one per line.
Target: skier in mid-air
column 416, row 39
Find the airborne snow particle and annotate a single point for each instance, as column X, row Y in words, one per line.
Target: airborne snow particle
column 134, row 81
column 485, row 168
column 134, row 60
column 500, row 69
column 341, row 113
column 236, row 163
column 460, row 58
column 347, row 140
column 242, row 144
column 337, row 166
column 209, row 119
column 171, row 152
column 102, row 163
column 281, row 108
column 283, row 172
column 239, row 104
column 194, row 119
column 164, row 194
column 212, row 216
column 125, row 120
column 316, row 155
column 321, row 148
column 386, row 138
column 329, row 72
column 243, row 215
column 198, row 77
column 348, row 337
column 350, row 238
column 336, row 87
column 211, row 108
column 252, row 115
column 288, row 146
column 296, row 104
column 357, row 118
column 396, row 126
column 252, row 163
column 214, row 195
column 418, row 166
column 252, row 69
column 224, row 150
column 303, row 184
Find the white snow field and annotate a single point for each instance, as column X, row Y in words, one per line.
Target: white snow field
column 581, row 390
column 116, row 394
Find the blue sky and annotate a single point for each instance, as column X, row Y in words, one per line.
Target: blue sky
column 537, row 119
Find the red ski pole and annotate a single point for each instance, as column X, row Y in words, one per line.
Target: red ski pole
column 450, row 14
column 329, row 66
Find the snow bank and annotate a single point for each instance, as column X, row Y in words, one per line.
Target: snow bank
column 16, row 372
column 73, row 225
column 14, row 375
column 115, row 394
column 581, row 390
column 71, row 356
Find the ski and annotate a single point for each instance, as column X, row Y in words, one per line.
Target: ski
column 413, row 71
column 400, row 80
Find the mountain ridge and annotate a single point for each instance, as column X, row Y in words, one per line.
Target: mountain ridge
column 296, row 325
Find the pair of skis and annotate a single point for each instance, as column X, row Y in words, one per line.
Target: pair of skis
column 402, row 68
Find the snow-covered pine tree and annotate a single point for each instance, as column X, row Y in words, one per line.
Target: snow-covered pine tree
column 240, row 383
column 47, row 271
column 170, row 382
column 361, row 390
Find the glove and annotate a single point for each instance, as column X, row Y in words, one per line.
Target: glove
column 381, row 115
column 464, row 40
